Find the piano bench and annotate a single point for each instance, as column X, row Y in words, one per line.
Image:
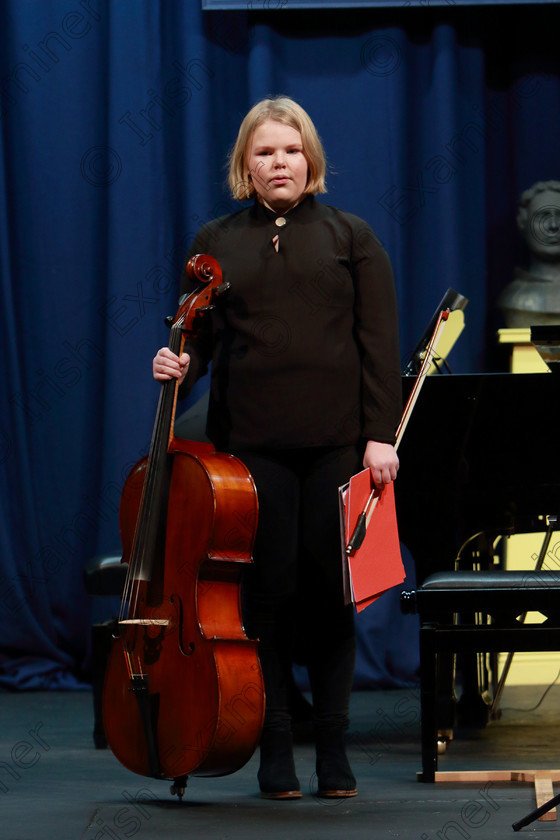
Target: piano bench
column 104, row 575
column 448, row 604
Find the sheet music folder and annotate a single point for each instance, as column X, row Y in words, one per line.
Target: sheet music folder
column 377, row 565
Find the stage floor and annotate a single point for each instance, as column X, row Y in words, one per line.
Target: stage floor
column 55, row 784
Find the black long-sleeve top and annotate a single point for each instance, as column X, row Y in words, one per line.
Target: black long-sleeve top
column 304, row 345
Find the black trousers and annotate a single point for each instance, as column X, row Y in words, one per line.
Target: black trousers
column 293, row 597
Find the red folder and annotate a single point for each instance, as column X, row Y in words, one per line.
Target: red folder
column 376, row 565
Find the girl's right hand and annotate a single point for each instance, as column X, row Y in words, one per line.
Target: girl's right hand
column 167, row 365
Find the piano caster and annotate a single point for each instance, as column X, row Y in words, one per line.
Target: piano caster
column 178, row 787
column 444, row 736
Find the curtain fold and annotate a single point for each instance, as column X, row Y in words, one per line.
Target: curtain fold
column 116, row 120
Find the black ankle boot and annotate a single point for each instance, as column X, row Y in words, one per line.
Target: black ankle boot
column 334, row 775
column 277, row 772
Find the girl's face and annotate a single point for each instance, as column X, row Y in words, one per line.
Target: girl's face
column 277, row 165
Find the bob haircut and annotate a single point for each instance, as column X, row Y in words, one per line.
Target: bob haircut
column 281, row 109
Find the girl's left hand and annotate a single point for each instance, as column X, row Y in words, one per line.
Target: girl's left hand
column 383, row 462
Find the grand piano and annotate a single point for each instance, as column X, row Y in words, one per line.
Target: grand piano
column 480, row 460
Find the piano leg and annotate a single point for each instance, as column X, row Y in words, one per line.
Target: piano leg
column 428, row 701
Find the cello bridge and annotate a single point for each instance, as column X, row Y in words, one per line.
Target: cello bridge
column 164, row 622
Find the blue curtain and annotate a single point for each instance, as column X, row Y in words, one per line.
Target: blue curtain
column 116, row 119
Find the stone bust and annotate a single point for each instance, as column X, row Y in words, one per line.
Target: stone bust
column 534, row 295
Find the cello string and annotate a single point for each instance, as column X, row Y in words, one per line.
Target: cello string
column 135, row 563
column 160, row 434
column 146, row 534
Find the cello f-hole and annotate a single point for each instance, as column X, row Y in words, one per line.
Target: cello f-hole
column 186, row 650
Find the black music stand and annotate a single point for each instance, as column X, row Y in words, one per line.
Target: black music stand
column 451, row 300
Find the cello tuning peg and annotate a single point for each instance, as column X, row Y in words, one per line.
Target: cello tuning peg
column 224, row 287
column 168, row 321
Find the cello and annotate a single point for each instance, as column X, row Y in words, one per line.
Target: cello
column 183, row 691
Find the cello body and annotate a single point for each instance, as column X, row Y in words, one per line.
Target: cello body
column 183, row 689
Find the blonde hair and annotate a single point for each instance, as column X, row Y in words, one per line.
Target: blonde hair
column 281, row 109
